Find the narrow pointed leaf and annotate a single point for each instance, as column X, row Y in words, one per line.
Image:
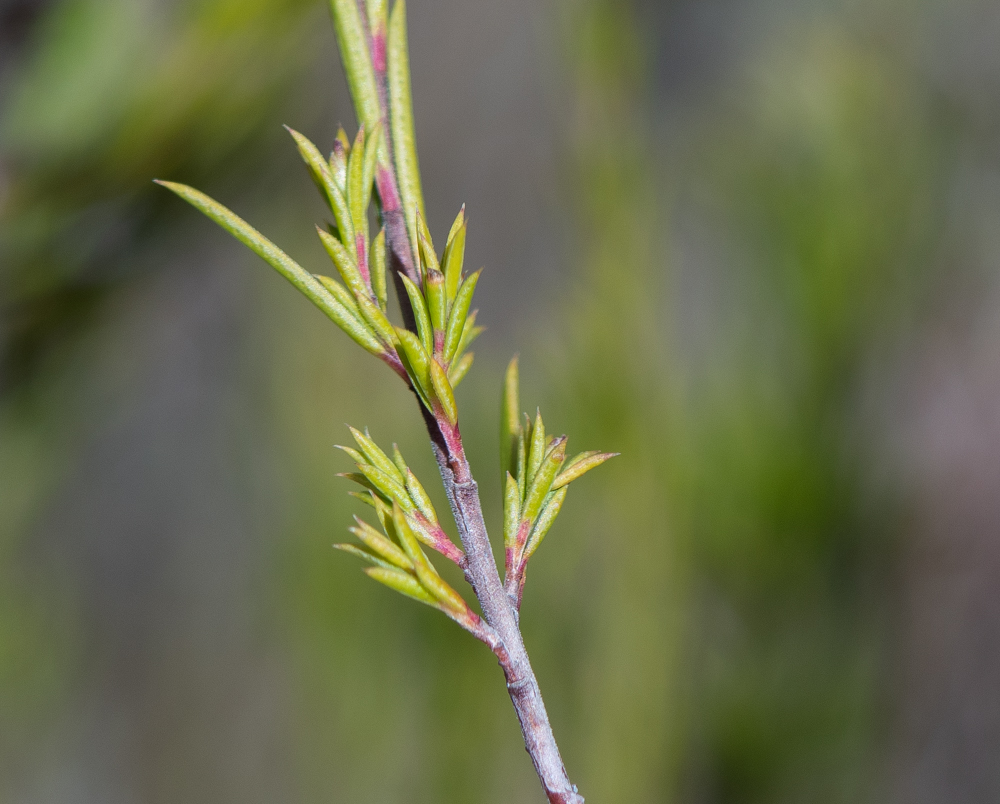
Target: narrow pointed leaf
column 459, row 312
column 401, row 118
column 387, row 484
column 341, row 294
column 456, row 224
column 408, row 540
column 417, row 360
column 469, row 332
column 428, row 576
column 427, row 253
column 355, row 183
column 361, row 480
column 550, row 510
column 458, row 371
column 376, row 319
column 367, row 499
column 437, row 305
column 352, row 40
column 402, row 582
column 536, row 446
column 372, row 144
column 420, row 498
column 579, row 465
column 375, row 456
column 364, row 555
column 384, row 512
column 454, row 256
column 510, row 417
column 325, row 179
column 376, row 264
column 319, row 169
column 542, row 482
column 344, row 262
column 522, row 460
column 511, row 510
column 443, row 391
column 420, row 315
column 355, row 456
column 397, row 458
column 338, row 160
column 305, row 282
column 380, row 545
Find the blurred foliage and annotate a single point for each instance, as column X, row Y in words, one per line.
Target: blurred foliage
column 708, row 622
column 115, row 93
column 747, row 502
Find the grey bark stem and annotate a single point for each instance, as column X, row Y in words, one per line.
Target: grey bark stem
column 498, row 611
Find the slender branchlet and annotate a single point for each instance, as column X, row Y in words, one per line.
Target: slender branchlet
column 430, row 353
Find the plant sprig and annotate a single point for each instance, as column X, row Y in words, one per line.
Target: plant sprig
column 536, row 478
column 430, row 353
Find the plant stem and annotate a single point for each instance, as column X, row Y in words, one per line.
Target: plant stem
column 482, row 574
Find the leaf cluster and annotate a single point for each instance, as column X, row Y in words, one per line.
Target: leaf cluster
column 537, row 475
column 379, row 167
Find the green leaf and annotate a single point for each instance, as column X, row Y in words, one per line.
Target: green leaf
column 420, row 314
column 361, row 480
column 323, row 176
column 511, row 510
column 457, row 372
column 550, row 510
column 401, row 118
column 305, row 282
column 579, row 465
column 374, row 316
column 403, row 583
column 420, row 498
column 383, row 511
column 376, row 264
column 356, row 195
column 443, row 391
column 338, row 159
column 427, row 253
column 454, row 255
column 344, row 262
column 354, row 455
column 353, row 42
column 428, row 576
column 380, row 545
column 397, row 458
column 522, row 459
column 542, row 482
column 536, row 446
column 366, row 498
column 341, row 294
column 386, row 483
column 469, row 332
column 510, row 418
column 459, row 312
column 418, row 363
column 437, row 304
column 364, row 554
column 368, row 174
column 376, row 457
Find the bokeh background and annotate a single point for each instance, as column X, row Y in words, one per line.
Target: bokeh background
column 753, row 245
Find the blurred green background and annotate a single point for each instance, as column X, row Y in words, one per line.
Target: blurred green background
column 750, row 244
